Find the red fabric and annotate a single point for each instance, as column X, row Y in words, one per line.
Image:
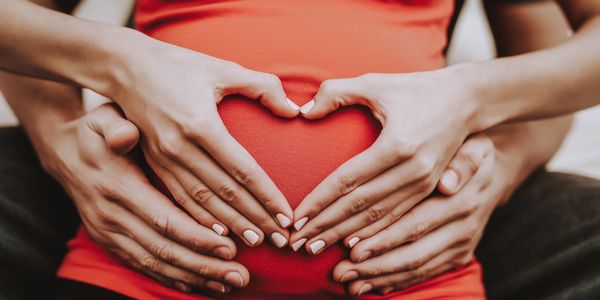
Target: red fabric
column 304, row 43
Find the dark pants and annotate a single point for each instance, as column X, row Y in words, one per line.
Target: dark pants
column 544, row 244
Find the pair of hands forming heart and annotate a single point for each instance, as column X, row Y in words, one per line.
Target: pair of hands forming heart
column 222, row 187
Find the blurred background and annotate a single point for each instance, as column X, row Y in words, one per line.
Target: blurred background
column 471, row 42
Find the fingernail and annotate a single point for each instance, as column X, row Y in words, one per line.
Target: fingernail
column 218, row 229
column 364, row 256
column 251, row 236
column 279, row 239
column 353, row 241
column 350, row 275
column 365, row 288
column 223, row 252
column 450, row 179
column 298, row 244
column 293, row 105
column 387, row 290
column 317, row 246
column 283, row 220
column 300, row 223
column 182, row 287
column 216, row 286
column 307, row 107
column 234, row 278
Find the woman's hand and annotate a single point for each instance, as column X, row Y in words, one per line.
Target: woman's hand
column 171, row 95
column 438, row 235
column 424, row 118
column 126, row 215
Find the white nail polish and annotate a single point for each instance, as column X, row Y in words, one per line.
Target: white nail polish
column 450, row 179
column 251, row 236
column 353, row 241
column 300, row 223
column 307, row 107
column 279, row 239
column 283, row 220
column 293, row 105
column 218, row 229
column 298, row 244
column 317, row 246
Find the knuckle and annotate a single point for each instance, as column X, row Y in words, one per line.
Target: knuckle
column 164, row 252
column 170, row 145
column 201, row 194
column 245, row 175
column 198, row 127
column 273, row 80
column 399, row 149
column 424, row 167
column 357, row 204
column 374, row 213
column 416, row 263
column 162, row 223
column 347, row 183
column 179, row 199
column 469, row 205
column 229, row 194
column 149, row 263
column 418, row 231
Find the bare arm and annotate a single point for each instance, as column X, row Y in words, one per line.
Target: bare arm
column 549, row 82
column 519, row 29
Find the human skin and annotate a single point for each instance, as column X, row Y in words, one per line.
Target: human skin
column 425, row 116
column 200, row 162
column 411, row 250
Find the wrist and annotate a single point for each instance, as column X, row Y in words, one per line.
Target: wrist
column 479, row 93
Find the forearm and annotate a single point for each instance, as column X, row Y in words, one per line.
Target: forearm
column 520, row 28
column 41, row 106
column 545, row 83
column 39, row 42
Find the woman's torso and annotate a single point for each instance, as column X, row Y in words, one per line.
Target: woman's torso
column 304, row 43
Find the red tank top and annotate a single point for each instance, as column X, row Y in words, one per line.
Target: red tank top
column 304, row 42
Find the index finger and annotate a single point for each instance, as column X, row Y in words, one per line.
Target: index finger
column 381, row 156
column 236, row 160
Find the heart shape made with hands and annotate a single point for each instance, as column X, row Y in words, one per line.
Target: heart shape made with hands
column 298, row 153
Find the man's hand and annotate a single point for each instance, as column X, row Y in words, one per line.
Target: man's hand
column 424, row 123
column 174, row 104
column 436, row 236
column 126, row 215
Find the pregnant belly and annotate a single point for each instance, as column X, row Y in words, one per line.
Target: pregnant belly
column 297, row 154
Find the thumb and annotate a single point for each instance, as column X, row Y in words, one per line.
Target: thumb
column 266, row 88
column 332, row 95
column 119, row 134
column 465, row 163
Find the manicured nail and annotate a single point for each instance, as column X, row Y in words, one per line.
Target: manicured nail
column 216, row 286
column 234, row 278
column 450, row 180
column 307, row 107
column 353, row 241
column 279, row 239
column 317, row 246
column 387, row 290
column 223, row 252
column 251, row 236
column 293, row 105
column 283, row 220
column 365, row 288
column 300, row 223
column 364, row 256
column 298, row 244
column 350, row 275
column 182, row 287
column 218, row 229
